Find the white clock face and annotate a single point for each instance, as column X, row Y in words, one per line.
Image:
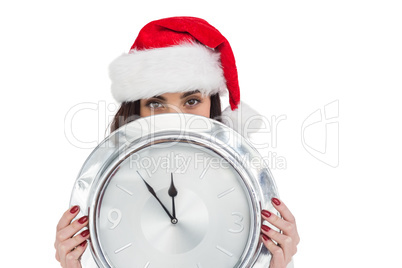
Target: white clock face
column 211, row 204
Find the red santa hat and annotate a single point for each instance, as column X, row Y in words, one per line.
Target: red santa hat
column 178, row 54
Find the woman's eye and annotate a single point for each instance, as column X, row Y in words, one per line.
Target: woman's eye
column 192, row 102
column 155, row 105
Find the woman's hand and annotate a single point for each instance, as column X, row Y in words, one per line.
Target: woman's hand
column 282, row 252
column 69, row 246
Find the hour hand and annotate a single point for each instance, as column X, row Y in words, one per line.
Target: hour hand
column 172, row 193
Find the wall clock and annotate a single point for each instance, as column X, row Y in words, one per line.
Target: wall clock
column 175, row 190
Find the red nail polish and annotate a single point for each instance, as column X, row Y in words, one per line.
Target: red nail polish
column 83, row 220
column 265, row 228
column 266, row 213
column 265, row 237
column 85, row 233
column 276, row 201
column 74, row 209
column 83, row 244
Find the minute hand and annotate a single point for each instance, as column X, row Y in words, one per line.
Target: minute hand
column 152, row 191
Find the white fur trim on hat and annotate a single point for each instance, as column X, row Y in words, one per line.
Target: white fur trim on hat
column 142, row 74
column 244, row 119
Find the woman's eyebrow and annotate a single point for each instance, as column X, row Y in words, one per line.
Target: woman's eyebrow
column 186, row 94
column 159, row 97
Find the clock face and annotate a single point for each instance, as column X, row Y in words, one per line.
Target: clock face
column 174, row 205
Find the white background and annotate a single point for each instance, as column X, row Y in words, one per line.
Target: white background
column 293, row 58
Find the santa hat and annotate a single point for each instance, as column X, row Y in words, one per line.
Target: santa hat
column 179, row 54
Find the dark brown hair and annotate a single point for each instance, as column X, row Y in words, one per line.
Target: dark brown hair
column 130, row 111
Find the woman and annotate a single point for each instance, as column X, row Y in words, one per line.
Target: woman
column 180, row 64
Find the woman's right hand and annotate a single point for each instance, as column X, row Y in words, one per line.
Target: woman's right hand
column 69, row 246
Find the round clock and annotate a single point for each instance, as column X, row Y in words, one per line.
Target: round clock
column 175, row 190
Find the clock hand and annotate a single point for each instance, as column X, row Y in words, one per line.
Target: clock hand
column 172, row 193
column 152, row 191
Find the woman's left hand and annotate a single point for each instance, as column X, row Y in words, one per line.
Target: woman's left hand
column 287, row 241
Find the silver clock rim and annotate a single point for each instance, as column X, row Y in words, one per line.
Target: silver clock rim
column 163, row 128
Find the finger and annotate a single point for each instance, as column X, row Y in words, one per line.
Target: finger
column 276, row 236
column 287, row 244
column 71, row 230
column 283, row 210
column 67, row 217
column 73, row 258
column 288, row 228
column 68, row 246
column 278, row 259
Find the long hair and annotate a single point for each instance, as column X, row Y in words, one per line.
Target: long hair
column 130, row 111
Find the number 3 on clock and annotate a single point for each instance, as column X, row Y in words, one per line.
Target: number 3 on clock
column 238, row 222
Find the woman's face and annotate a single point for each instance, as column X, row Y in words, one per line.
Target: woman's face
column 192, row 102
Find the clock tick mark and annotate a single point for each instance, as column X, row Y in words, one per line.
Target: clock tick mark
column 148, row 173
column 124, row 189
column 123, row 248
column 226, row 192
column 203, row 172
column 224, row 251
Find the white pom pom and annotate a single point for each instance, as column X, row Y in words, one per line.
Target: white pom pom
column 244, row 119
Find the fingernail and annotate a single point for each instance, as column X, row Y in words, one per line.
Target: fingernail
column 276, row 201
column 265, row 237
column 266, row 213
column 83, row 220
column 83, row 244
column 74, row 209
column 265, row 228
column 85, row 233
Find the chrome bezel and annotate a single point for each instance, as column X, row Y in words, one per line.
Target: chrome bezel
column 183, row 128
